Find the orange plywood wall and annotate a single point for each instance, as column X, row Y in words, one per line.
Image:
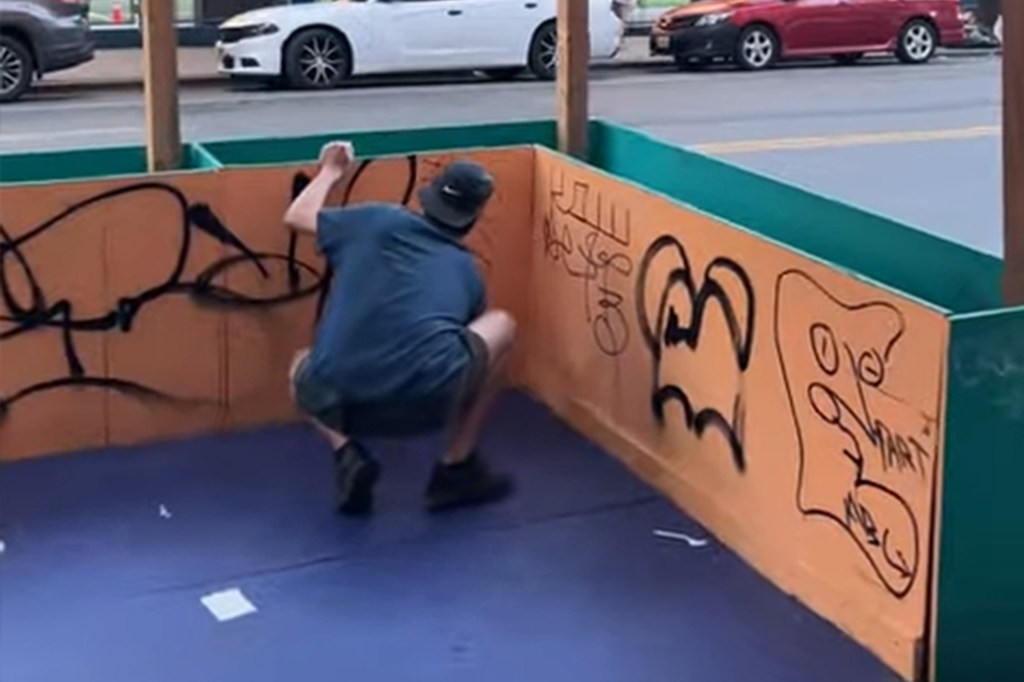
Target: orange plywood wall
column 141, row 309
column 791, row 408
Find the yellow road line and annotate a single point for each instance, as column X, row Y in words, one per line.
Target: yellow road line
column 854, row 140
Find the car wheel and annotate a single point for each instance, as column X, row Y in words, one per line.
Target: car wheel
column 849, row 58
column 317, row 59
column 505, row 74
column 543, row 60
column 917, row 43
column 757, row 48
column 15, row 69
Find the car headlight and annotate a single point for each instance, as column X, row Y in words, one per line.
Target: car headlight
column 254, row 30
column 713, row 19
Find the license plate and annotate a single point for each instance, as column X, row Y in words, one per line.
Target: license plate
column 662, row 41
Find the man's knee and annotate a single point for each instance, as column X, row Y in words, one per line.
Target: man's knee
column 293, row 370
column 296, row 363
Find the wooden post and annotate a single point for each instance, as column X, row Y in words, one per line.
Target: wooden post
column 1013, row 151
column 573, row 62
column 160, row 74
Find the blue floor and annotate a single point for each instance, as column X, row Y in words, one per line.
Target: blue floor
column 563, row 582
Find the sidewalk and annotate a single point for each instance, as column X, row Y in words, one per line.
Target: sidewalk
column 197, row 66
column 123, row 67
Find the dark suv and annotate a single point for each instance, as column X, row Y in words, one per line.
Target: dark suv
column 40, row 36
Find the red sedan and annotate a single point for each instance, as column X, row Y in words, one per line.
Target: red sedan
column 755, row 34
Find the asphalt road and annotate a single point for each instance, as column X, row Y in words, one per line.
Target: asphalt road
column 920, row 144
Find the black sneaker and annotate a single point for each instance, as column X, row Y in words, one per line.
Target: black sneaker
column 355, row 474
column 466, row 483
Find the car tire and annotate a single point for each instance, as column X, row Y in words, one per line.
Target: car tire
column 849, row 58
column 317, row 59
column 918, row 42
column 543, row 58
column 16, row 69
column 757, row 48
column 503, row 74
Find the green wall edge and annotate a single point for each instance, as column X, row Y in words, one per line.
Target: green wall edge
column 287, row 150
column 91, row 164
column 979, row 620
column 109, row 162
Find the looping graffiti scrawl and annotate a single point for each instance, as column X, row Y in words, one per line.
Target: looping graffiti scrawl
column 35, row 311
column 837, row 363
column 28, row 308
column 672, row 310
column 589, row 236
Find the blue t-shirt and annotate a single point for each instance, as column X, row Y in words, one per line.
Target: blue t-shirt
column 403, row 292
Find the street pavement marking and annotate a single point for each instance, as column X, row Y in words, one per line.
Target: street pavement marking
column 854, row 140
column 712, row 148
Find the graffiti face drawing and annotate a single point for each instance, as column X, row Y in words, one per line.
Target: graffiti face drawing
column 856, row 438
column 703, row 327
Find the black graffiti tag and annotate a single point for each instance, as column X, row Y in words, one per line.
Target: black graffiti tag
column 38, row 312
column 663, row 329
column 836, row 361
column 587, row 236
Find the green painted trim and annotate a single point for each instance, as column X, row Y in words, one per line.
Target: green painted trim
column 289, row 150
column 201, row 158
column 90, row 164
column 979, row 620
column 105, row 162
column 986, row 314
column 919, row 264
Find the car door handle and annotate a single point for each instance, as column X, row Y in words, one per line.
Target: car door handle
column 530, row 5
column 454, row 12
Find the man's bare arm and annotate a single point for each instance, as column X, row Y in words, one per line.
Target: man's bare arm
column 336, row 161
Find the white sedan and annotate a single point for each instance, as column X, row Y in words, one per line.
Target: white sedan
column 319, row 45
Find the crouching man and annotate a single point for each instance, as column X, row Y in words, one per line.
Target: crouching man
column 405, row 344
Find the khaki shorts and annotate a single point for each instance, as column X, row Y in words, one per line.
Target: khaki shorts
column 394, row 418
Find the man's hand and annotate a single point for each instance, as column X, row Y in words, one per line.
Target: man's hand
column 337, row 158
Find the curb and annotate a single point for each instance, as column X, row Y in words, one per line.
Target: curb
column 92, row 84
column 205, row 81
